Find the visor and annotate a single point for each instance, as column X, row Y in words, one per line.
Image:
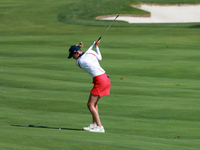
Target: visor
column 73, row 49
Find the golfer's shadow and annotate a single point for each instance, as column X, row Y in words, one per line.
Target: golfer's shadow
column 46, row 127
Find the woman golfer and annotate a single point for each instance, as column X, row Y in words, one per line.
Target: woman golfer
column 89, row 61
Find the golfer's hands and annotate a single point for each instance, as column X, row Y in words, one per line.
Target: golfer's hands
column 97, row 43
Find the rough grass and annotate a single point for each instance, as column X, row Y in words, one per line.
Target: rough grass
column 72, row 14
column 90, row 10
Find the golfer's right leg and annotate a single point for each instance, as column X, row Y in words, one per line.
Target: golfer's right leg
column 92, row 102
column 92, row 106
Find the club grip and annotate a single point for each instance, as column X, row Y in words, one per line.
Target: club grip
column 99, row 39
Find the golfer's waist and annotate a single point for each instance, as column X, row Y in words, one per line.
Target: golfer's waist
column 99, row 76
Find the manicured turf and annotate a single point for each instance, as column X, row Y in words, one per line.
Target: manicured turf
column 170, row 1
column 155, row 75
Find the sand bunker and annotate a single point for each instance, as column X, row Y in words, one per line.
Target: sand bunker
column 164, row 14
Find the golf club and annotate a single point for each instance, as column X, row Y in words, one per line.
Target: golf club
column 109, row 26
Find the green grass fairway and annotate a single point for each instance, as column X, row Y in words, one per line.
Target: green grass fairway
column 154, row 70
column 171, row 1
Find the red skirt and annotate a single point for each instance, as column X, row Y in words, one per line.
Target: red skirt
column 101, row 85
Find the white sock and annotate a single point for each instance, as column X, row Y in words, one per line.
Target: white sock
column 101, row 127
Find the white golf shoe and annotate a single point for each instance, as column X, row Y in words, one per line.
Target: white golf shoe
column 91, row 126
column 97, row 129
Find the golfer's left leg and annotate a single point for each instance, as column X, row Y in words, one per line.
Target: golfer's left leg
column 92, row 106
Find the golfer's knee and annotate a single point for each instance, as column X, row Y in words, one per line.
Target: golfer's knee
column 89, row 105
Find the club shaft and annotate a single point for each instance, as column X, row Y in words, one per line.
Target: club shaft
column 108, row 26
